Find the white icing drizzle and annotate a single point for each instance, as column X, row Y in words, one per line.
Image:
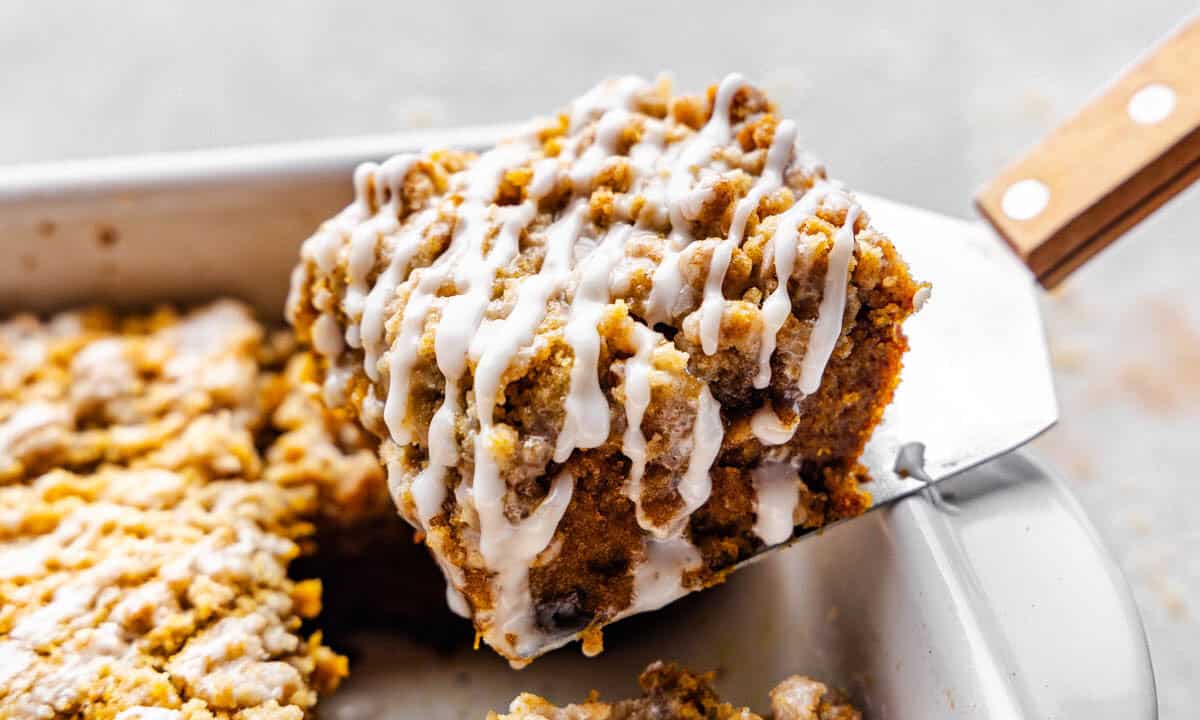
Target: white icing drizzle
column 481, row 183
column 27, row 421
column 337, row 378
column 371, row 328
column 428, row 491
column 456, row 601
column 783, row 248
column 364, row 239
column 658, row 580
column 777, row 491
column 327, row 336
column 644, row 154
column 695, row 486
column 637, row 398
column 778, row 157
column 496, row 346
column 828, row 327
column 586, row 422
column 545, row 175
column 707, row 432
column 769, row 429
column 668, row 277
column 322, row 248
column 608, row 131
column 403, row 354
column 765, row 424
column 920, row 298
column 509, row 549
column 617, row 93
column 460, row 319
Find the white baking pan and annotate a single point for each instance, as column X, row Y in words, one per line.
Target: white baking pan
column 997, row 601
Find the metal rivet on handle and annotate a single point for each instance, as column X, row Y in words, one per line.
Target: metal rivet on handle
column 1152, row 104
column 1025, row 199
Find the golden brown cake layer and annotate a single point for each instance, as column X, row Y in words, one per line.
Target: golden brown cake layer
column 611, row 357
column 669, row 691
column 161, row 472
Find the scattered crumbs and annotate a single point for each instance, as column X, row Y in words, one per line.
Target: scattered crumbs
column 45, row 228
column 1139, row 523
column 592, row 641
column 1149, row 389
column 1038, row 106
column 1067, row 310
column 950, row 698
column 1167, row 591
column 1068, row 359
column 106, row 236
column 1181, row 338
column 1074, row 461
column 1166, row 380
column 1081, row 466
column 1158, row 580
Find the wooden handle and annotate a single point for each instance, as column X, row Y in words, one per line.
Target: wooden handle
column 1117, row 160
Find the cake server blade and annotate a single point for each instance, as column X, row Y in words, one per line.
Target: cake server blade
column 976, row 381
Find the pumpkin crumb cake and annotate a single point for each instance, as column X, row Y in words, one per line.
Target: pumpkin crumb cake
column 671, row 692
column 611, row 357
column 158, row 474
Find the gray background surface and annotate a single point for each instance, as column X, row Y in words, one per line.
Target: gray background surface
column 920, row 102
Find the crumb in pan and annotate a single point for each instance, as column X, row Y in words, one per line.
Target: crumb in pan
column 669, row 691
column 160, row 473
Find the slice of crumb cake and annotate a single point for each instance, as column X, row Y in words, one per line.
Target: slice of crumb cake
column 593, row 390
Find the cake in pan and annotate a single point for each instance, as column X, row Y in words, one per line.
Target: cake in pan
column 611, row 357
column 158, row 475
column 669, row 691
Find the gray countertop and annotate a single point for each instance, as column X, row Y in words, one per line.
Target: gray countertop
column 919, row 102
